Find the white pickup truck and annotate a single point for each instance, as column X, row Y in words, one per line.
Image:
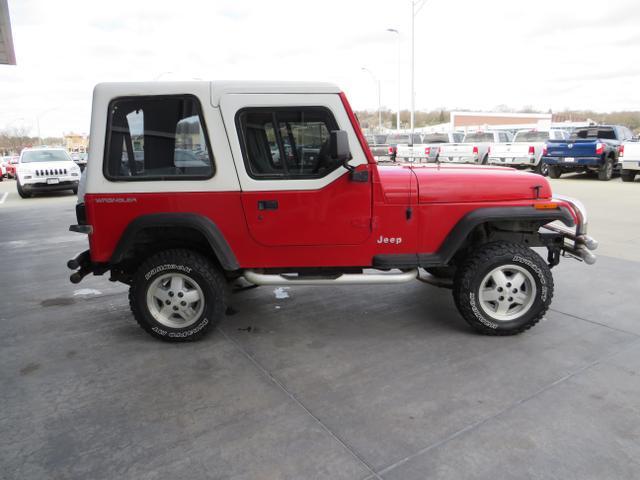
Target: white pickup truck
column 630, row 158
column 429, row 149
column 474, row 147
column 526, row 149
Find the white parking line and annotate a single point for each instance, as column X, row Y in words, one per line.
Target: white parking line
column 4, row 197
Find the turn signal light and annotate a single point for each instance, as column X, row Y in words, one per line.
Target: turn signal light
column 546, row 206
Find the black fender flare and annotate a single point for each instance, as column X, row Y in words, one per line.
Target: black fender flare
column 459, row 233
column 198, row 222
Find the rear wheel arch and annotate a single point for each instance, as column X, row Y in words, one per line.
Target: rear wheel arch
column 162, row 231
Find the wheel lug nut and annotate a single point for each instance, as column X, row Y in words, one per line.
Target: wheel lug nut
column 171, row 294
column 183, row 303
column 175, row 308
column 168, row 302
column 180, row 294
column 499, row 289
column 501, row 298
column 515, row 290
column 510, row 299
column 508, row 284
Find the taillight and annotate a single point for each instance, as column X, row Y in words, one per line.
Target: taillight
column 532, row 150
column 427, row 150
column 599, row 148
column 544, row 150
column 392, row 150
column 621, row 150
column 475, row 150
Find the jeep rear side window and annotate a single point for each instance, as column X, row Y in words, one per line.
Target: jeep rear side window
column 286, row 143
column 157, row 138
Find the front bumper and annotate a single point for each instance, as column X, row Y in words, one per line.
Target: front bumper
column 573, row 162
column 43, row 186
column 577, row 244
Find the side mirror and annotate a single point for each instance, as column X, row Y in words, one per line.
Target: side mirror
column 339, row 147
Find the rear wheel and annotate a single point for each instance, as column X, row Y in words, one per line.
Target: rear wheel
column 554, row 171
column 178, row 295
column 628, row 175
column 542, row 168
column 503, row 288
column 605, row 172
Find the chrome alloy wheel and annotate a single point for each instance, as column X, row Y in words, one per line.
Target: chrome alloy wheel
column 507, row 292
column 175, row 300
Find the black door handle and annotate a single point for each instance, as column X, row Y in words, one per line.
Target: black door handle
column 267, row 204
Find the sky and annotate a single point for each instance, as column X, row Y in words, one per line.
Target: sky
column 545, row 54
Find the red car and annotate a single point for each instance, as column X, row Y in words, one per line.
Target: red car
column 11, row 166
column 191, row 186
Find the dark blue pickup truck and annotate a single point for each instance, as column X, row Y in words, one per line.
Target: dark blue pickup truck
column 589, row 149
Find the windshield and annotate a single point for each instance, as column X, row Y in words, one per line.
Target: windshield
column 531, row 136
column 436, row 138
column 396, row 139
column 479, row 137
column 32, row 156
column 595, row 132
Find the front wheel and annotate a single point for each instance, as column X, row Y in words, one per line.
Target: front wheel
column 503, row 288
column 22, row 192
column 178, row 295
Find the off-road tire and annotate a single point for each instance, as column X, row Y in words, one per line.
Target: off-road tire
column 605, row 172
column 541, row 168
column 628, row 175
column 478, row 264
column 197, row 268
column 21, row 191
column 554, row 171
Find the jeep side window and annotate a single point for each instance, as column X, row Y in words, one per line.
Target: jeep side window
column 287, row 142
column 157, row 138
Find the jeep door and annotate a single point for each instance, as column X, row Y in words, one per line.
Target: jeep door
column 293, row 192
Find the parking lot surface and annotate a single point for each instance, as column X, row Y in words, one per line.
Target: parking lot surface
column 301, row 383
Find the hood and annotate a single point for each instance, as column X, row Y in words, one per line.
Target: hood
column 33, row 166
column 475, row 183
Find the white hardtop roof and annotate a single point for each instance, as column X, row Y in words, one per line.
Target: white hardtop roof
column 217, row 88
column 43, row 147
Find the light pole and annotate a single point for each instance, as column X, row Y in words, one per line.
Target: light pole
column 377, row 81
column 416, row 6
column 393, row 30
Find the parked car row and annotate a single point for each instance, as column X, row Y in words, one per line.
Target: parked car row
column 8, row 166
column 597, row 149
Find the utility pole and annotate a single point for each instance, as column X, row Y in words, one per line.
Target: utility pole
column 397, row 32
column 416, row 6
column 377, row 82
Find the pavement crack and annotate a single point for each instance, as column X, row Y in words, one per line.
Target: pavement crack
column 595, row 323
column 283, row 388
column 507, row 409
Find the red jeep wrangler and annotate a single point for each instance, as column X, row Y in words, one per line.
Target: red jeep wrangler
column 191, row 186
